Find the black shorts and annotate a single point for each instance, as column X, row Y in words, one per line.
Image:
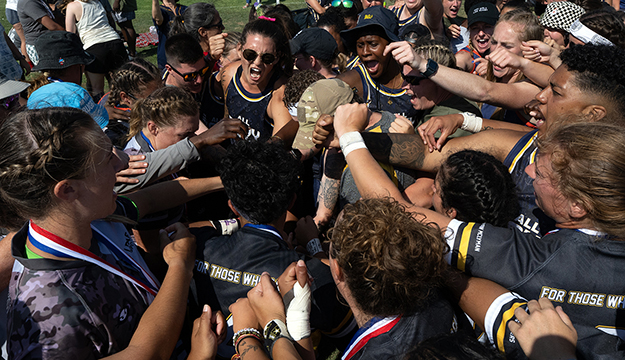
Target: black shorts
column 108, row 56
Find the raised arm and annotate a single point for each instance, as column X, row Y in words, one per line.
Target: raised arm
column 470, row 86
column 157, row 16
column 433, row 15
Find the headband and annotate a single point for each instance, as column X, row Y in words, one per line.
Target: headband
column 586, row 35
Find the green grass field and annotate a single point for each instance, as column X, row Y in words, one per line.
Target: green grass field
column 231, row 12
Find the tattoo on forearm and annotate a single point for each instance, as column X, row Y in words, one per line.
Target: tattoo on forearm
column 247, row 347
column 484, row 128
column 396, row 149
column 329, row 192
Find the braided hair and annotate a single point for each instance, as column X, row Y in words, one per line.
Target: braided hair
column 132, row 78
column 39, row 148
column 478, row 187
column 163, row 107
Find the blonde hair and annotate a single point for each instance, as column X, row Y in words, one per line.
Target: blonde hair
column 163, row 107
column 431, row 49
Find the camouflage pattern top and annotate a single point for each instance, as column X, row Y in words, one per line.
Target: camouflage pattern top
column 73, row 309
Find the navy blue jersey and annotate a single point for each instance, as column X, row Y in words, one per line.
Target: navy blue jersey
column 381, row 98
column 532, row 219
column 211, row 105
column 250, row 108
column 392, row 337
column 580, row 270
column 228, row 266
column 414, row 19
column 353, row 62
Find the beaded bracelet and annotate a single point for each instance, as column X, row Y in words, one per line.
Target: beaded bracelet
column 246, row 331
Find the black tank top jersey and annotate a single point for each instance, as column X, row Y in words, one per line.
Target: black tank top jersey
column 532, row 219
column 250, row 108
column 580, row 270
column 228, row 266
column 211, row 105
column 381, row 98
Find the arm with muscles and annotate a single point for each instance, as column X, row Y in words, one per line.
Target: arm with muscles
column 448, row 124
column 545, row 333
column 330, row 186
column 49, row 23
column 535, row 71
column 315, row 5
column 73, row 13
column 178, row 156
column 472, row 87
column 160, row 325
column 169, row 194
column 283, row 124
column 433, row 16
column 157, row 15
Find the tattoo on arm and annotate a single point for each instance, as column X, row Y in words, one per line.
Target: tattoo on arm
column 329, row 193
column 396, row 149
column 247, row 347
column 484, row 128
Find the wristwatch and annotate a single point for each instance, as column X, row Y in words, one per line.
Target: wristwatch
column 431, row 69
column 274, row 330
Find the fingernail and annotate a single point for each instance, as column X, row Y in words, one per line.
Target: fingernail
column 265, row 273
column 205, row 308
column 301, row 263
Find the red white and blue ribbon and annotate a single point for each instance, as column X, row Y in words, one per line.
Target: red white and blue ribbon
column 59, row 247
column 373, row 328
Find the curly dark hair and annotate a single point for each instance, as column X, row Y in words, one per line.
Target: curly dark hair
column 606, row 23
column 260, row 178
column 598, row 70
column 392, row 262
column 479, row 187
column 297, row 84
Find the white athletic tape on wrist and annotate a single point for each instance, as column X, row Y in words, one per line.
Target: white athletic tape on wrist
column 350, row 138
column 471, row 122
column 354, row 146
column 298, row 312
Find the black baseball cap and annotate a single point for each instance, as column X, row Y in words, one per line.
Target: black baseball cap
column 316, row 42
column 485, row 12
column 375, row 17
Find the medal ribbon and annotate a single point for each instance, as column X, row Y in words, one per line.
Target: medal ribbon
column 57, row 246
column 373, row 328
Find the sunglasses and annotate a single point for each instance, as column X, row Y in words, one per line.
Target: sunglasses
column 191, row 76
column 219, row 25
column 8, row 101
column 251, row 55
column 346, row 3
column 412, row 79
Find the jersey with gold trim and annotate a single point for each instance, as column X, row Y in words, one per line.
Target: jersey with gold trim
column 580, row 270
column 381, row 98
column 532, row 219
column 249, row 107
column 413, row 19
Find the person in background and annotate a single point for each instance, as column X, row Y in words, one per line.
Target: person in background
column 557, row 20
column 481, row 21
column 12, row 64
column 163, row 16
column 36, row 18
column 315, row 49
column 9, row 96
column 14, row 20
column 88, row 19
column 452, row 21
column 124, row 13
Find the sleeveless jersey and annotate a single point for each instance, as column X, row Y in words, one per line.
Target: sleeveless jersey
column 250, row 108
column 353, row 62
column 474, row 55
column 381, row 98
column 414, row 19
column 580, row 270
column 211, row 105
